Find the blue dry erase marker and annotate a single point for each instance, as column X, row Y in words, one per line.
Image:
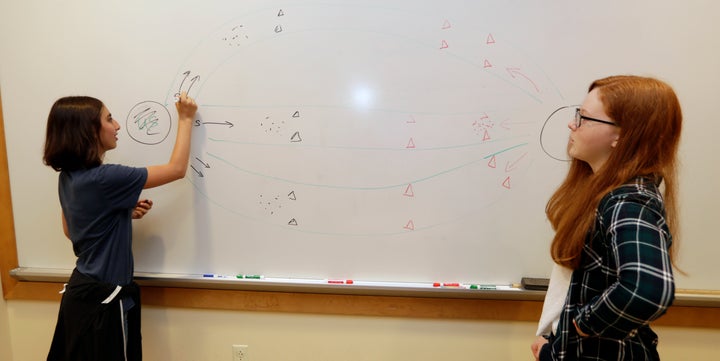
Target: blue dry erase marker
column 212, row 275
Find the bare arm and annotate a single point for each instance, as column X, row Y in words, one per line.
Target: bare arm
column 65, row 227
column 177, row 166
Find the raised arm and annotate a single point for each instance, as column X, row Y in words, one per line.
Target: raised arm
column 177, row 166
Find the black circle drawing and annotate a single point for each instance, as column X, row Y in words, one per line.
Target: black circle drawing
column 547, row 139
column 148, row 123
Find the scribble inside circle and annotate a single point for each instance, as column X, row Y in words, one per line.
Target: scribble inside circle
column 554, row 134
column 148, row 123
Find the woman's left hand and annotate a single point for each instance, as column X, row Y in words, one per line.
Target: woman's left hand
column 537, row 346
column 143, row 206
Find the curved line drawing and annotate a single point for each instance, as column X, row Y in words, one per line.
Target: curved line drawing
column 542, row 145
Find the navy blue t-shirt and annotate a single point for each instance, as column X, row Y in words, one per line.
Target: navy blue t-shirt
column 98, row 205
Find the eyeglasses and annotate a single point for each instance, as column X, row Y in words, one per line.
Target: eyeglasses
column 579, row 118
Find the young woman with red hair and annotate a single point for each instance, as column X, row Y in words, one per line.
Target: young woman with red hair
column 614, row 216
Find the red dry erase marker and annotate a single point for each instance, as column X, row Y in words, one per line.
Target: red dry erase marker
column 340, row 282
column 451, row 284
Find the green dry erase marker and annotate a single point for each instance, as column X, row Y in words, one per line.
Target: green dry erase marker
column 483, row 287
column 250, row 277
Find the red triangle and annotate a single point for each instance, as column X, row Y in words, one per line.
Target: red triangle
column 506, row 183
column 490, row 39
column 409, row 191
column 410, row 225
column 411, row 144
column 446, row 24
column 486, row 136
column 492, row 163
column 487, row 64
column 444, row 45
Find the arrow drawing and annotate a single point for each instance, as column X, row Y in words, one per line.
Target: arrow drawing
column 206, row 165
column 192, row 82
column 516, row 71
column 510, row 166
column 199, row 173
column 199, row 123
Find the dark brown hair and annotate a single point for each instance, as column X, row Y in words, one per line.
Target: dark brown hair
column 72, row 134
column 650, row 119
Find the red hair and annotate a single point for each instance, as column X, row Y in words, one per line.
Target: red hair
column 650, row 119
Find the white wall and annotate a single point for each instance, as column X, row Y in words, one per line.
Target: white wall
column 5, row 344
column 207, row 335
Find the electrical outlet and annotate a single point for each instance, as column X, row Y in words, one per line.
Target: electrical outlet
column 240, row 352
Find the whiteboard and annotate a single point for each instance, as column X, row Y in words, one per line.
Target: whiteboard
column 404, row 141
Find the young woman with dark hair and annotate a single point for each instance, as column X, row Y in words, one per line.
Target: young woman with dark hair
column 99, row 317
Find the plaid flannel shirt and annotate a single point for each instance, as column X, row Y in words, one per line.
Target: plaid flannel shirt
column 625, row 280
